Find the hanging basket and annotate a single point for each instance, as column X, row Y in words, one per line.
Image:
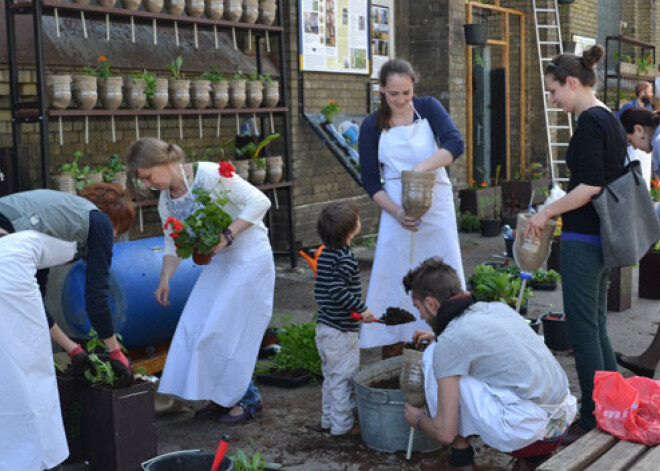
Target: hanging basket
column 476, row 34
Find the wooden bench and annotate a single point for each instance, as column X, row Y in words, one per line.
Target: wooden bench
column 600, row 451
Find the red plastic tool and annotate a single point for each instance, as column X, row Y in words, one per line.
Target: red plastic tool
column 220, row 452
column 358, row 316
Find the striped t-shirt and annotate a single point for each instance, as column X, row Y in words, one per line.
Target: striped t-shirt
column 338, row 290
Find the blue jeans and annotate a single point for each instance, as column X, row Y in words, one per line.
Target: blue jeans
column 252, row 396
column 584, row 288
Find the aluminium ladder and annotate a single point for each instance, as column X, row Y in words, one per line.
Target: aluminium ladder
column 559, row 125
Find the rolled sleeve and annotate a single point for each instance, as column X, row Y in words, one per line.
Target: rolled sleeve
column 253, row 203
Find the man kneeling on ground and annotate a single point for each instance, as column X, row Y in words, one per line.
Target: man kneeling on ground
column 495, row 376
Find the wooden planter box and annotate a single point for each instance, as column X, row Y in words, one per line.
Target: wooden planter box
column 649, row 275
column 517, row 194
column 619, row 294
column 112, row 429
column 482, row 202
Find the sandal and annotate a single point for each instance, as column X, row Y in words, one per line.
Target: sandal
column 247, row 411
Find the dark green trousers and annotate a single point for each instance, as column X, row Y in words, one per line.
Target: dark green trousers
column 584, row 285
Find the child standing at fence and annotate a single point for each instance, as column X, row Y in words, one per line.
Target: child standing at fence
column 338, row 292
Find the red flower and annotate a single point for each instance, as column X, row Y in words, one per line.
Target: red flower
column 226, row 170
column 174, row 222
column 174, row 235
column 655, row 182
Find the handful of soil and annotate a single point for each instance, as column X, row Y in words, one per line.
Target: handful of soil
column 396, row 316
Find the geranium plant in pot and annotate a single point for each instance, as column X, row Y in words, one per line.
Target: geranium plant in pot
column 109, row 86
column 201, row 231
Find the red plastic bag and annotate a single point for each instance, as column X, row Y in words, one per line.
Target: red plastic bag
column 628, row 408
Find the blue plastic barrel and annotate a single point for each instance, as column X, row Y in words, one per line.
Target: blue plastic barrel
column 134, row 277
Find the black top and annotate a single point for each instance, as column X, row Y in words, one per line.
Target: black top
column 99, row 259
column 338, row 290
column 595, row 155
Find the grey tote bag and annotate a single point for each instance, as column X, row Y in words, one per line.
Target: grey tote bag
column 628, row 222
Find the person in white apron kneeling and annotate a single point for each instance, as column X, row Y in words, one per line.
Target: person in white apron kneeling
column 406, row 134
column 487, row 374
column 216, row 343
column 31, row 429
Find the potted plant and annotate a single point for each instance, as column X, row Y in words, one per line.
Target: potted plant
column 59, row 90
column 476, row 34
column 250, row 11
column 251, row 460
column 528, row 186
column 109, row 85
column 626, row 65
column 195, row 8
column 175, row 7
column 649, row 267
column 115, row 171
column 490, row 222
column 255, row 90
column 468, row 222
column 135, row 91
column 125, row 409
column 645, row 65
column 298, row 360
column 179, row 88
column 257, row 173
column 267, row 11
column 237, row 90
column 156, row 90
column 271, row 92
column 219, row 88
column 201, row 89
column 328, row 112
column 214, row 9
column 200, row 232
column 76, row 173
column 545, row 280
column 233, row 10
column 490, row 284
column 84, row 88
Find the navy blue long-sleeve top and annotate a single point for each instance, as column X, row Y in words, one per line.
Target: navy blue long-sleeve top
column 444, row 130
column 99, row 259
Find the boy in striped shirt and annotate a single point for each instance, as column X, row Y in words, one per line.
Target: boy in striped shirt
column 338, row 292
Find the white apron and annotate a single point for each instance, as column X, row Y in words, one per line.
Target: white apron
column 401, row 148
column 217, row 339
column 31, row 430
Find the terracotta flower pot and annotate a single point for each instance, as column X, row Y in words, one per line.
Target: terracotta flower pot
column 202, row 258
column 267, row 12
column 220, row 92
column 271, row 93
column 233, row 10
column 250, row 11
column 161, row 95
column 195, row 7
column 200, row 93
column 106, row 3
column 131, row 4
column 242, row 168
column 255, row 94
column 257, row 175
column 214, row 9
column 59, row 91
column 154, row 6
column 110, row 92
column 134, row 91
column 175, row 7
column 179, row 93
column 274, row 169
column 84, row 91
column 237, row 93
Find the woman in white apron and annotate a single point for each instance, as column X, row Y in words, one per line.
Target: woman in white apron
column 406, row 134
column 31, row 429
column 215, row 346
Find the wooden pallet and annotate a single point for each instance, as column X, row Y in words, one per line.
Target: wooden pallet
column 600, row 451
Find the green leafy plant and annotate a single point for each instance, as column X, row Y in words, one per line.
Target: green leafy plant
column 104, row 67
column 114, row 166
column 175, row 68
column 298, row 342
column 545, row 276
column 149, row 81
column 252, row 151
column 655, row 189
column 645, row 64
column 329, row 110
column 251, row 460
column 77, row 171
column 468, row 222
column 201, row 230
column 214, row 76
column 255, row 77
column 267, row 79
column 489, row 284
column 238, row 76
column 491, row 205
column 87, row 70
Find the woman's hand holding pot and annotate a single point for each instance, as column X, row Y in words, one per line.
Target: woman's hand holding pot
column 405, row 221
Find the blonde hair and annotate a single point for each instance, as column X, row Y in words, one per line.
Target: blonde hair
column 149, row 152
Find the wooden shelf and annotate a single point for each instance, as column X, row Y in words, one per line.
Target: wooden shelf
column 164, row 112
column 96, row 10
column 265, row 187
column 631, row 77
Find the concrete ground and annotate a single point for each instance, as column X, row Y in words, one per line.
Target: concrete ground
column 288, row 432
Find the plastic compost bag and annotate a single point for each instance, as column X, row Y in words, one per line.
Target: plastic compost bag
column 555, row 194
column 628, row 408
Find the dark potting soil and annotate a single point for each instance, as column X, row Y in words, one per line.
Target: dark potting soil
column 389, row 383
column 396, row 316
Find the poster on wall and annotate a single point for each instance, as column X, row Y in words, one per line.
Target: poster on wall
column 582, row 43
column 381, row 45
column 334, row 36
